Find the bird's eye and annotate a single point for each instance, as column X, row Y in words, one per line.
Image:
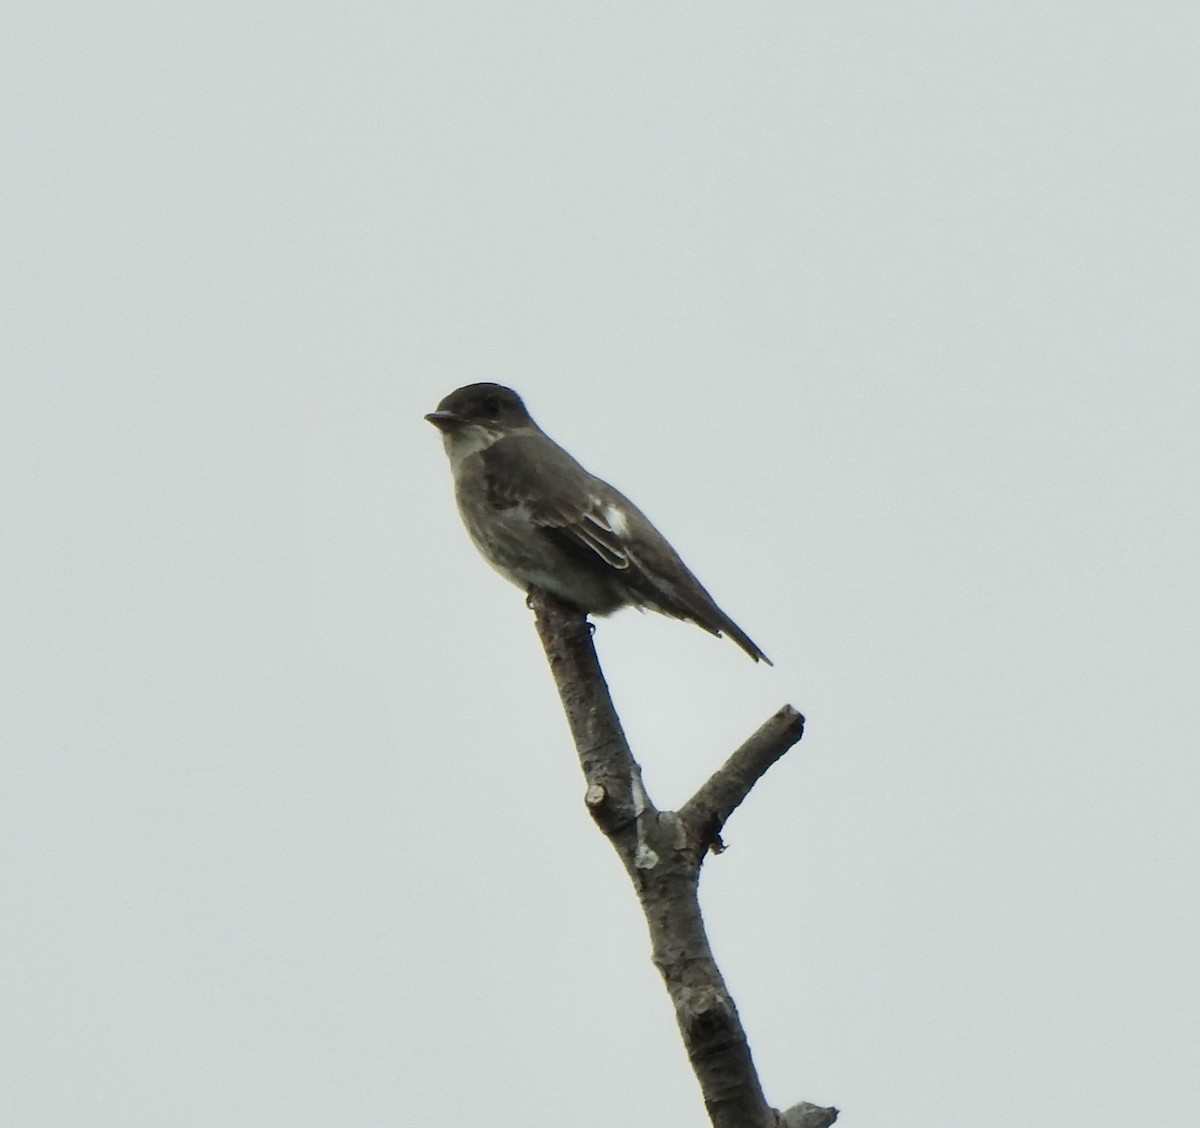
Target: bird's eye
column 492, row 406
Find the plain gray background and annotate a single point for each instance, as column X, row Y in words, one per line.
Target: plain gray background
column 886, row 314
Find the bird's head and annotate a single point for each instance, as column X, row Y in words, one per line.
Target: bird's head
column 473, row 417
column 491, row 406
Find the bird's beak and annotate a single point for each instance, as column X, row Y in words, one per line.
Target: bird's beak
column 445, row 420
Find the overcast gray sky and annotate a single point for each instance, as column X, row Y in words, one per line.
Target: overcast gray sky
column 886, row 314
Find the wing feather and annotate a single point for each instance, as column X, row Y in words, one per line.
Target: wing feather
column 558, row 494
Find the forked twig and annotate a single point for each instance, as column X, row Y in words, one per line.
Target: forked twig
column 662, row 852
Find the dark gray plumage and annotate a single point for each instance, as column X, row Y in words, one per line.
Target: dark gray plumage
column 540, row 519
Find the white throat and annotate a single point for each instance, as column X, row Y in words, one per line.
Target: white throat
column 465, row 441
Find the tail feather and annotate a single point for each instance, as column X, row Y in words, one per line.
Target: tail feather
column 730, row 628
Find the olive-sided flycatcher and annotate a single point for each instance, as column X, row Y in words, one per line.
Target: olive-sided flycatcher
column 541, row 520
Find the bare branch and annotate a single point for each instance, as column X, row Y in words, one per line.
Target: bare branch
column 662, row 852
column 708, row 810
column 615, row 794
column 805, row 1115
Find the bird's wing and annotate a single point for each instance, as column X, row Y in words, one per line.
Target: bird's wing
column 604, row 528
column 559, row 495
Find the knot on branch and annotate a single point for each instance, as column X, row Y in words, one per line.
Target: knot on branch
column 704, row 1012
column 595, row 797
column 805, row 1115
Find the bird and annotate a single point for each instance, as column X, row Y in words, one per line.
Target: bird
column 542, row 521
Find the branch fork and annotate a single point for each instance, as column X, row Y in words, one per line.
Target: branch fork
column 662, row 852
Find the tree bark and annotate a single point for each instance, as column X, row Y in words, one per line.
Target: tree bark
column 662, row 852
